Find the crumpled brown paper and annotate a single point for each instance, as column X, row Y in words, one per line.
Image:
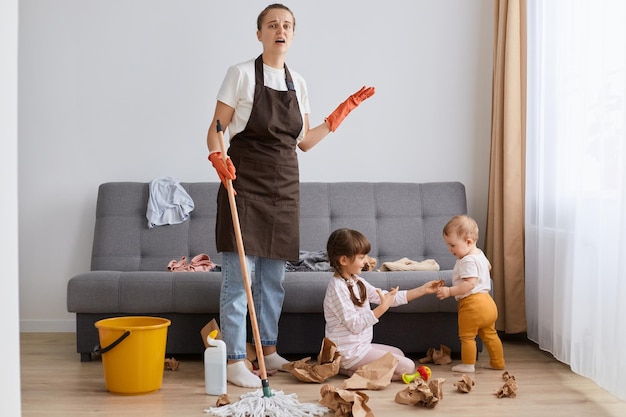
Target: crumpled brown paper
column 439, row 356
column 345, row 403
column 222, row 400
column 436, row 387
column 375, row 375
column 421, row 393
column 171, row 364
column 370, row 263
column 207, row 329
column 327, row 364
column 509, row 389
column 464, row 384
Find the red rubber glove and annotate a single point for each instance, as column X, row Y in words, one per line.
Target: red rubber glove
column 225, row 170
column 340, row 113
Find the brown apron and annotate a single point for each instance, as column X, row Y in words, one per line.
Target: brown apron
column 268, row 183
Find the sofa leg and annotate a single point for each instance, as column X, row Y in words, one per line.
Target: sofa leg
column 85, row 356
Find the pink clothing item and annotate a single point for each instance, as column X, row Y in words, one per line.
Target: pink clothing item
column 199, row 263
column 175, row 266
column 349, row 326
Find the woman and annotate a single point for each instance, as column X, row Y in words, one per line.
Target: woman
column 265, row 107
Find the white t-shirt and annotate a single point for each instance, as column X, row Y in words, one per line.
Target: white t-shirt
column 237, row 91
column 472, row 266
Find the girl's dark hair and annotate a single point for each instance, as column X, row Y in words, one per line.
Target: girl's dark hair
column 349, row 243
column 259, row 20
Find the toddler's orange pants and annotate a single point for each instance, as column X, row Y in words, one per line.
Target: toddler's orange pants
column 477, row 316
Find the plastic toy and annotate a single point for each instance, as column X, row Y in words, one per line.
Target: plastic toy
column 423, row 372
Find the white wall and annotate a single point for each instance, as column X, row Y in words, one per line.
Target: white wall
column 10, row 395
column 125, row 90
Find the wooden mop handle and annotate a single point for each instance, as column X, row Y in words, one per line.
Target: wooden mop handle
column 242, row 260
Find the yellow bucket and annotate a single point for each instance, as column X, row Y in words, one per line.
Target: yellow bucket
column 133, row 353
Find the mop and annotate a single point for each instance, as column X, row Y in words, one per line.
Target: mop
column 264, row 402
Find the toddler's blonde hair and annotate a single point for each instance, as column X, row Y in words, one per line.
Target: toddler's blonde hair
column 462, row 226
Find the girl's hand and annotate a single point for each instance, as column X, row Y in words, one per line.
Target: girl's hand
column 431, row 287
column 386, row 299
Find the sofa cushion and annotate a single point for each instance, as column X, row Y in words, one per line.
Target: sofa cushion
column 140, row 292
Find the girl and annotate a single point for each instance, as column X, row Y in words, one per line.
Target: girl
column 265, row 107
column 349, row 317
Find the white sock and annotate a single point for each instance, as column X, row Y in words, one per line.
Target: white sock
column 463, row 367
column 275, row 361
column 237, row 373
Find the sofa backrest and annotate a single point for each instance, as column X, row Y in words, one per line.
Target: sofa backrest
column 400, row 219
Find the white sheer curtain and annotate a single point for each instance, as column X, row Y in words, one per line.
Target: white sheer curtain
column 576, row 186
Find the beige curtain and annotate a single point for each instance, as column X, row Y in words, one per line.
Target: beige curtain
column 504, row 235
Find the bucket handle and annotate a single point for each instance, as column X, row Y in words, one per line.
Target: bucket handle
column 99, row 350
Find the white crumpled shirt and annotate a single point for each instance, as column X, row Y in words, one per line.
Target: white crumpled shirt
column 168, row 203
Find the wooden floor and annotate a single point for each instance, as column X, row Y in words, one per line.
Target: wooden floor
column 56, row 383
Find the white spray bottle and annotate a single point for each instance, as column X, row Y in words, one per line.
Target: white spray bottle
column 215, row 365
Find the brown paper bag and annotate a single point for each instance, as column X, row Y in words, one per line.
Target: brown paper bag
column 345, row 403
column 420, row 393
column 327, row 364
column 509, row 389
column 370, row 263
column 465, row 384
column 208, row 328
column 375, row 375
column 439, row 356
column 171, row 364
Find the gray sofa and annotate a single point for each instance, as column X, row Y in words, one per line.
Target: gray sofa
column 129, row 275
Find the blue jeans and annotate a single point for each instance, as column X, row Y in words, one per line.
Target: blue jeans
column 268, row 294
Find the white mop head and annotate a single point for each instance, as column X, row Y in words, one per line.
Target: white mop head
column 255, row 404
